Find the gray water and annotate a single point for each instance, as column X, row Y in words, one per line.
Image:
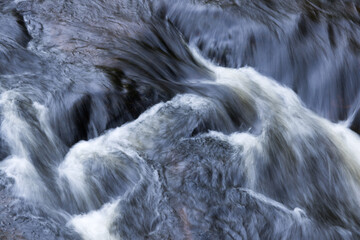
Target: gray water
column 133, row 119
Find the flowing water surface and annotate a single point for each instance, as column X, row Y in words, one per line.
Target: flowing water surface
column 179, row 119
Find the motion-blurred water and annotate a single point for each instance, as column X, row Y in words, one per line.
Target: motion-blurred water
column 179, row 119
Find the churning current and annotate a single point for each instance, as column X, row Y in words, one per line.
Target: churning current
column 179, row 119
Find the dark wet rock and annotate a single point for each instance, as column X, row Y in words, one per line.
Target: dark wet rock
column 18, row 221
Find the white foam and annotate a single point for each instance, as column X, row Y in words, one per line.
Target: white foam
column 16, row 132
column 14, row 129
column 96, row 225
column 28, row 183
column 280, row 110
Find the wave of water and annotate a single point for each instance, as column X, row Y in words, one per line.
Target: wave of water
column 179, row 120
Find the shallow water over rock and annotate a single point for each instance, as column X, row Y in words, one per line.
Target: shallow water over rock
column 136, row 119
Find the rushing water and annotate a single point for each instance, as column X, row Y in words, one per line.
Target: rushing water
column 201, row 119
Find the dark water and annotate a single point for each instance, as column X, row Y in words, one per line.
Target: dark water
column 136, row 119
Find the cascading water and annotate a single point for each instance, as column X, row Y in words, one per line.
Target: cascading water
column 134, row 119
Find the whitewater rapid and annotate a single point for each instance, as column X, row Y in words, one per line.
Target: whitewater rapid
column 169, row 120
column 291, row 161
